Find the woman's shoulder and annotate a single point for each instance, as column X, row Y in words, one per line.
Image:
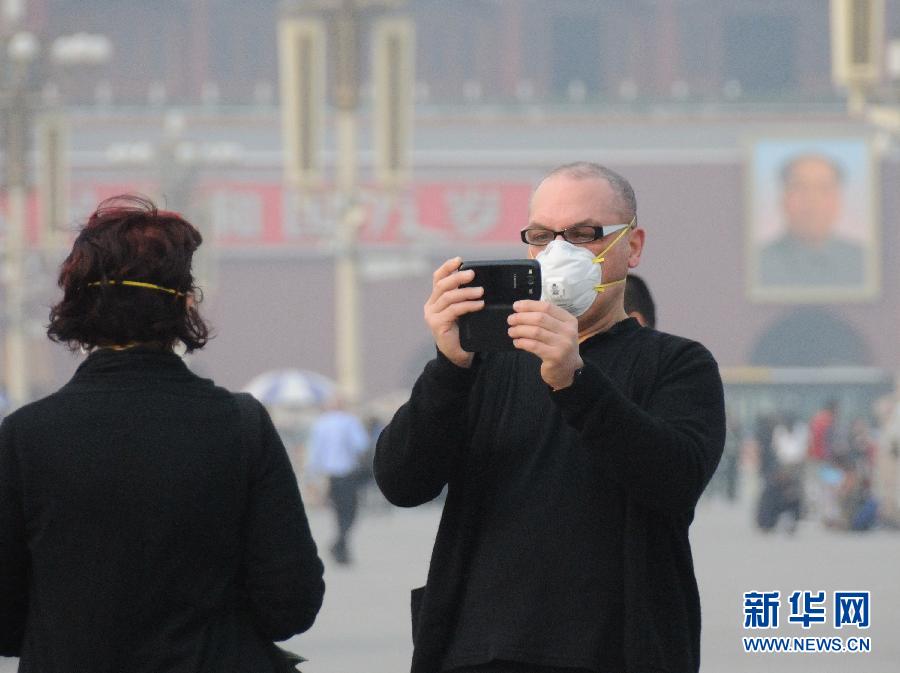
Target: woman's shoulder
column 35, row 411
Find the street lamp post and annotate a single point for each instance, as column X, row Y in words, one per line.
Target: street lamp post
column 22, row 48
column 346, row 29
column 345, row 24
column 178, row 163
column 857, row 39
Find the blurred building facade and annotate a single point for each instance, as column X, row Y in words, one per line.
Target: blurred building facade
column 672, row 93
column 272, row 302
column 189, row 51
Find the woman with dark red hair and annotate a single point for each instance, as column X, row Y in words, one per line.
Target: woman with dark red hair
column 149, row 520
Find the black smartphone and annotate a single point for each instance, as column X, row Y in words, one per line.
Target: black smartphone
column 505, row 282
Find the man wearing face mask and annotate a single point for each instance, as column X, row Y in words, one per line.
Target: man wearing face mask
column 573, row 464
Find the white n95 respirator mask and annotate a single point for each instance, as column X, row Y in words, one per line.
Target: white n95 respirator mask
column 571, row 276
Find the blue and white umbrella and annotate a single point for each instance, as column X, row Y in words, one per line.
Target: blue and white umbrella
column 291, row 388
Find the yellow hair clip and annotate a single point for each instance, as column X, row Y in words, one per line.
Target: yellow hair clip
column 137, row 283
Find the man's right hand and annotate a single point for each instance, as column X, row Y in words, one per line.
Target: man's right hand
column 447, row 302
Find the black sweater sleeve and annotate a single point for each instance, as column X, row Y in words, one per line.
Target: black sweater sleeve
column 665, row 453
column 283, row 572
column 13, row 551
column 418, row 450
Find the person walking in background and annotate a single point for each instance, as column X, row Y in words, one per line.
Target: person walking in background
column 853, row 505
column 823, row 449
column 337, row 443
column 639, row 302
column 770, row 503
column 763, row 430
column 861, row 447
column 822, row 427
column 790, row 440
column 149, row 520
column 887, row 460
column 726, row 477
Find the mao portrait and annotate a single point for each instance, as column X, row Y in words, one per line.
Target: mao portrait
column 812, row 227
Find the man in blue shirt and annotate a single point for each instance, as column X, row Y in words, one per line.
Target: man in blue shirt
column 336, row 444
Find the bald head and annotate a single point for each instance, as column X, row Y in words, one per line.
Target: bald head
column 589, row 194
column 625, row 201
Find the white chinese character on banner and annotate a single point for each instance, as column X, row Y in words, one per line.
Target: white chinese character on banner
column 473, row 212
column 236, row 214
column 310, row 215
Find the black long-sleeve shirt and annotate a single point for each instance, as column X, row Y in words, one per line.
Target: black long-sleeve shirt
column 144, row 526
column 564, row 536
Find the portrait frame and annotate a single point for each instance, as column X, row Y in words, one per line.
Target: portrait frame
column 779, row 269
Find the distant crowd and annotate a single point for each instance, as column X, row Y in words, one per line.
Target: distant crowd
column 841, row 472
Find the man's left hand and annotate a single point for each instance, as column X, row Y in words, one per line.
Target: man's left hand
column 551, row 333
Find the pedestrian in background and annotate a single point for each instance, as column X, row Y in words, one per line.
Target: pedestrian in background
column 149, row 520
column 337, row 443
column 887, row 459
column 790, row 441
column 823, row 450
column 725, row 480
column 762, row 433
column 822, row 429
column 639, row 302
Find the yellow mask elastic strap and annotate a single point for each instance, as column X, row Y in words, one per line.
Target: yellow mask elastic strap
column 599, row 259
column 138, row 283
column 602, row 286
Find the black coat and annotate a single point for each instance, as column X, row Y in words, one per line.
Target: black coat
column 149, row 521
column 564, row 536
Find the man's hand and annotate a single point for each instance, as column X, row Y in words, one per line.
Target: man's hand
column 551, row 333
column 447, row 302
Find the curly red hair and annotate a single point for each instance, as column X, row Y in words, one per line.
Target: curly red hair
column 128, row 239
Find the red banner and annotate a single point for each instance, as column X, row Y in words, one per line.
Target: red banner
column 265, row 215
column 32, row 226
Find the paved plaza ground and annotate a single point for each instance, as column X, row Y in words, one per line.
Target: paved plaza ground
column 364, row 625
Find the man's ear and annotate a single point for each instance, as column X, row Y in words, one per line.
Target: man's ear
column 635, row 247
